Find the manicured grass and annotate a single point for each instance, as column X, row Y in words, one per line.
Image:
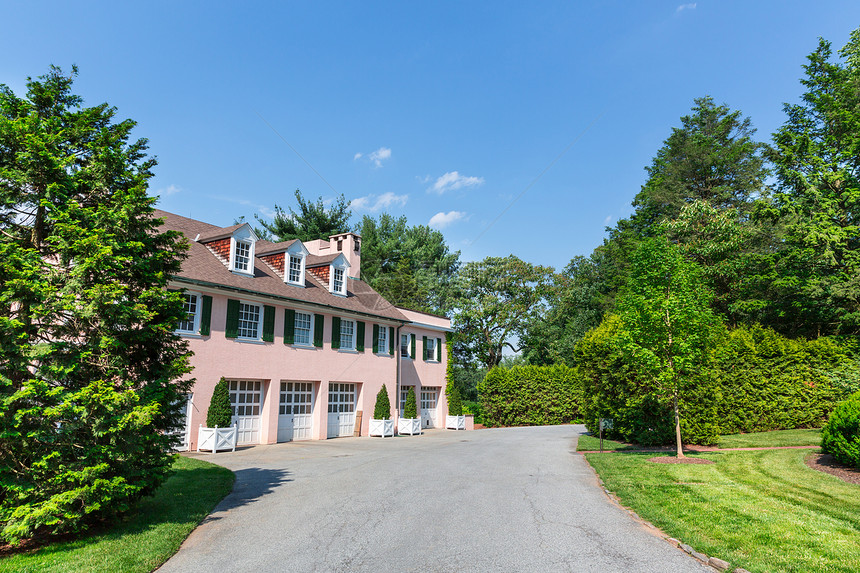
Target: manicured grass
column 589, row 443
column 808, row 437
column 147, row 536
column 764, row 510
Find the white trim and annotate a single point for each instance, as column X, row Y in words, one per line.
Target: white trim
column 430, row 327
column 354, row 335
column 299, row 251
column 197, row 311
column 260, row 318
column 310, row 342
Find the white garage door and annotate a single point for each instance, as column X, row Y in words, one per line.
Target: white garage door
column 295, row 413
column 429, row 396
column 341, row 410
column 246, row 397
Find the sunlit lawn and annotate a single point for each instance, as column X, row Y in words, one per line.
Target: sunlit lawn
column 148, row 535
column 806, row 437
column 764, row 511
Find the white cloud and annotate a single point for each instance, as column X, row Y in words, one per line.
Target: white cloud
column 607, row 219
column 452, row 181
column 376, row 203
column 441, row 220
column 169, row 190
column 380, row 155
column 356, row 156
column 690, row 6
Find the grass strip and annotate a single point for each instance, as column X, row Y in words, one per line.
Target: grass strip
column 589, row 443
column 777, row 438
column 764, row 511
column 147, row 536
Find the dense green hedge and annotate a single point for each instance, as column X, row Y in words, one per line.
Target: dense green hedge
column 840, row 437
column 529, row 396
column 757, row 381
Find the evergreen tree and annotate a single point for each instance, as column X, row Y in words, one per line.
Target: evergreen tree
column 455, row 403
column 410, row 409
column 312, row 221
column 382, row 410
column 817, row 159
column 220, row 412
column 90, row 380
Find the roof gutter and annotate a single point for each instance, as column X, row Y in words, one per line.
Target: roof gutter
column 218, row 286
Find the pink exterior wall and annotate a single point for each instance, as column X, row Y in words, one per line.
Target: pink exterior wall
column 216, row 356
column 420, row 373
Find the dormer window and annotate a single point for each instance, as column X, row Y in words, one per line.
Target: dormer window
column 295, row 269
column 242, row 256
column 337, row 276
column 337, row 281
column 242, row 245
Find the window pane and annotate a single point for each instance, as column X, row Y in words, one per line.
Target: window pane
column 249, row 320
column 295, row 269
column 242, row 259
column 302, row 330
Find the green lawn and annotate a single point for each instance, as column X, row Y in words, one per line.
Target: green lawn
column 148, row 535
column 588, row 443
column 764, row 511
column 772, row 439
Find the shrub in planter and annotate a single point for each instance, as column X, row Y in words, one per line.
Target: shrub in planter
column 840, row 437
column 455, row 419
column 409, row 422
column 220, row 412
column 410, row 410
column 381, row 424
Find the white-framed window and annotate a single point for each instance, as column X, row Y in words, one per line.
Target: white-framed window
column 347, row 334
column 295, row 270
column 191, row 323
column 242, row 256
column 404, row 345
column 249, row 321
column 303, row 328
column 404, row 392
column 430, row 350
column 338, row 285
column 382, row 340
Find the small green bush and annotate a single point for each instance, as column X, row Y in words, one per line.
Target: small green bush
column 382, row 411
column 220, row 412
column 455, row 404
column 410, row 410
column 475, row 409
column 840, row 437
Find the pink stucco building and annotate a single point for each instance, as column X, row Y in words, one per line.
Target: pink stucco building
column 303, row 342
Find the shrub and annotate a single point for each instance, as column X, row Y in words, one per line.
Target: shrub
column 474, row 408
column 410, row 410
column 220, row 412
column 840, row 437
column 455, row 404
column 529, row 396
column 382, row 411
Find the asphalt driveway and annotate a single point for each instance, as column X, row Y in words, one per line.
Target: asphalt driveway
column 512, row 499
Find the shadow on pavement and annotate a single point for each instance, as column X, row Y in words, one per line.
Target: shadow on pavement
column 251, row 484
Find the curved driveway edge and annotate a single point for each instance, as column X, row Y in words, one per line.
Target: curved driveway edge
column 511, row 499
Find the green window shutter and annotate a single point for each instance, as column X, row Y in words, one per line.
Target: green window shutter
column 439, row 350
column 424, row 348
column 289, row 326
column 206, row 315
column 319, row 326
column 412, row 347
column 376, row 338
column 268, row 323
column 390, row 340
column 231, row 330
column 335, row 332
column 359, row 336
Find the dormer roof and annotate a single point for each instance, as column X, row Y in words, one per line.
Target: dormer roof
column 267, row 248
column 224, row 232
column 332, row 259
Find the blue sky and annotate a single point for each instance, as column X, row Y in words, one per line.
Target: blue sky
column 515, row 128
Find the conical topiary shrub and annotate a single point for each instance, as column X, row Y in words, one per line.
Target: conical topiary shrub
column 410, row 410
column 220, row 412
column 382, row 411
column 455, row 405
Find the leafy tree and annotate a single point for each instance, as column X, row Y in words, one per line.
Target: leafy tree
column 495, row 301
column 220, row 412
column 88, row 385
column 382, row 410
column 313, row 220
column 409, row 266
column 817, row 159
column 669, row 326
column 410, row 409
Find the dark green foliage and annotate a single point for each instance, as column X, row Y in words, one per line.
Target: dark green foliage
column 220, row 413
column 840, row 437
column 382, row 410
column 455, row 403
column 409, row 266
column 529, row 396
column 313, row 221
column 474, row 408
column 92, row 373
column 410, row 409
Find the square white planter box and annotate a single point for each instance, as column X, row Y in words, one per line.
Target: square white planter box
column 455, row 422
column 411, row 426
column 384, row 428
column 214, row 439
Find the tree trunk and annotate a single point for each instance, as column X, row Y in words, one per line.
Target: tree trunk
column 678, row 427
